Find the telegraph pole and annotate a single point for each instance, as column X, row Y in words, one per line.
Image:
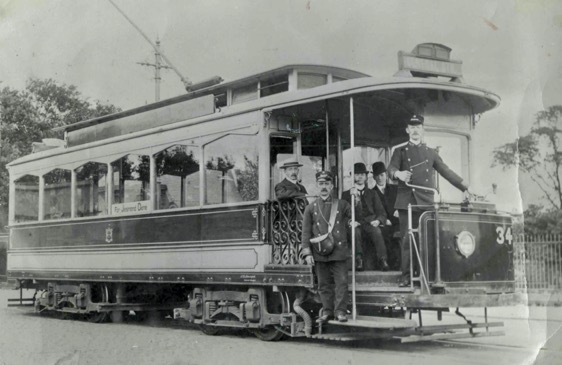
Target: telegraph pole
column 158, row 57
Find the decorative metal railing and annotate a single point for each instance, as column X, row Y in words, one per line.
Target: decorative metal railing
column 538, row 262
column 285, row 217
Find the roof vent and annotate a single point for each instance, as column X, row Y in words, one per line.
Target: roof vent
column 429, row 60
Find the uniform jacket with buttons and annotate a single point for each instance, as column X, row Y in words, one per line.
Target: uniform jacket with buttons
column 422, row 162
column 371, row 207
column 314, row 225
column 286, row 189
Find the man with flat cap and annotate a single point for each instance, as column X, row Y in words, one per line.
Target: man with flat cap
column 415, row 163
column 328, row 215
column 370, row 216
column 290, row 186
column 387, row 194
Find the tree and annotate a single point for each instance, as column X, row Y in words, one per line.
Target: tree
column 538, row 154
column 32, row 114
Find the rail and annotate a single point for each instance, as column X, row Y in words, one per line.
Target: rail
column 538, row 262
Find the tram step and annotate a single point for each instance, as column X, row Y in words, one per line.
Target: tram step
column 375, row 322
column 377, row 278
column 345, row 337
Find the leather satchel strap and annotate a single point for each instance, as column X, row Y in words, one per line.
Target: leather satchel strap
column 333, row 213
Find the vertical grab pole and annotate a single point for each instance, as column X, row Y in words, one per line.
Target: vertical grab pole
column 437, row 248
column 352, row 135
column 410, row 233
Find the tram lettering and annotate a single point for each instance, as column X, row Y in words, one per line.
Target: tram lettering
column 141, row 207
column 503, row 235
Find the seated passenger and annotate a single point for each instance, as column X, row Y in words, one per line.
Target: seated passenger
column 290, row 186
column 369, row 215
column 391, row 229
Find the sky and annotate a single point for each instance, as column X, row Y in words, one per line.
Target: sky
column 512, row 48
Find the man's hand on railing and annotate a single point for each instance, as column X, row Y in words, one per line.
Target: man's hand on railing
column 403, row 175
column 309, row 260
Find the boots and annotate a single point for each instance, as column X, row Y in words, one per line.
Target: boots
column 383, row 264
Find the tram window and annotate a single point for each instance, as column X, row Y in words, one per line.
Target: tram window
column 131, row 179
column 274, row 85
column 91, row 186
column 26, row 205
column 281, row 148
column 310, row 80
column 245, row 93
column 337, row 79
column 177, row 177
column 231, row 169
column 56, row 201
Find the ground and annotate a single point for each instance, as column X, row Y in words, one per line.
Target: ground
column 29, row 338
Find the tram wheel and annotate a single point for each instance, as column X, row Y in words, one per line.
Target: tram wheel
column 209, row 330
column 100, row 293
column 268, row 334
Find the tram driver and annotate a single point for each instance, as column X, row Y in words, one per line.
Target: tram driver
column 416, row 163
column 290, row 187
column 331, row 266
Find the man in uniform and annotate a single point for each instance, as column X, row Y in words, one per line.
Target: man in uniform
column 387, row 194
column 415, row 163
column 370, row 216
column 290, row 186
column 331, row 269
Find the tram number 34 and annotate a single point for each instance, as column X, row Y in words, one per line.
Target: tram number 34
column 504, row 235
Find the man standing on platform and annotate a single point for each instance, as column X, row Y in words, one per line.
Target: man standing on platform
column 331, row 266
column 415, row 163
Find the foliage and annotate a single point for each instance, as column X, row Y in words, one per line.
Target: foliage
column 538, row 154
column 32, row 114
column 248, row 180
column 537, row 220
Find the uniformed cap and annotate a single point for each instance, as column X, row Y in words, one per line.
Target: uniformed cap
column 415, row 120
column 324, row 176
column 291, row 162
column 359, row 168
column 378, row 168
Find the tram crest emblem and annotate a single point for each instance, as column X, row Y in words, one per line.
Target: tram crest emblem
column 109, row 234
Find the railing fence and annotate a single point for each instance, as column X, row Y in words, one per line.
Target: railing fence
column 538, row 262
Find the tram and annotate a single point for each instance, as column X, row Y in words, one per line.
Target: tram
column 170, row 208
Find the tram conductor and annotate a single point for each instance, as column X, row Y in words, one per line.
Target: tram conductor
column 324, row 217
column 290, row 186
column 415, row 163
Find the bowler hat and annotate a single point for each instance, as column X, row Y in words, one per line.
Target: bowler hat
column 378, row 168
column 359, row 168
column 291, row 162
column 415, row 120
column 324, row 176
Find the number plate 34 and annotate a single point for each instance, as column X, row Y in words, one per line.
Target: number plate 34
column 504, row 234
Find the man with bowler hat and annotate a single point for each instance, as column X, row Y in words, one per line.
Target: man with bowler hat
column 370, row 216
column 290, row 186
column 331, row 267
column 416, row 163
column 387, row 194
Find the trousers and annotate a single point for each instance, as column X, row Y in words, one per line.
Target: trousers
column 364, row 234
column 332, row 286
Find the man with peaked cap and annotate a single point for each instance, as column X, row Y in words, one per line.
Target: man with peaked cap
column 387, row 194
column 290, row 186
column 370, row 216
column 331, row 268
column 416, row 163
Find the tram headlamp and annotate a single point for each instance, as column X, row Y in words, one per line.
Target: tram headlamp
column 466, row 243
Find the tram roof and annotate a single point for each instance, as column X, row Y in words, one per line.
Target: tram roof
column 480, row 100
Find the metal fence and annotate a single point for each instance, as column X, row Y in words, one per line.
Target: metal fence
column 538, row 262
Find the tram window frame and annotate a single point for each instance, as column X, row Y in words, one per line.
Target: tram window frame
column 206, row 178
column 93, row 203
column 196, row 203
column 34, row 198
column 119, row 202
column 57, row 205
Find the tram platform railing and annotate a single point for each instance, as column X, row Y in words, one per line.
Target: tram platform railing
column 285, row 220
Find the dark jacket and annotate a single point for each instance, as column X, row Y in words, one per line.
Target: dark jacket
column 388, row 199
column 422, row 162
column 373, row 208
column 286, row 189
column 314, row 225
